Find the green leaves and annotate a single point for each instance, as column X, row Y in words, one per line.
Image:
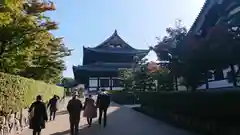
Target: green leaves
column 164, row 79
column 141, row 78
column 126, row 77
column 27, row 48
column 171, row 42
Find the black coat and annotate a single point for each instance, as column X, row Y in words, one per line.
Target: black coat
column 103, row 101
column 37, row 122
column 74, row 108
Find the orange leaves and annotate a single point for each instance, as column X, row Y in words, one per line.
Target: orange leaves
column 153, row 67
column 38, row 7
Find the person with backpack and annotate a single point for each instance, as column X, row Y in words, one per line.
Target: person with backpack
column 103, row 102
column 38, row 115
column 53, row 106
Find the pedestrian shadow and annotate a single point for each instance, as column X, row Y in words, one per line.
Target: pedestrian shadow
column 62, row 112
column 85, row 130
column 125, row 121
column 96, row 129
column 62, row 133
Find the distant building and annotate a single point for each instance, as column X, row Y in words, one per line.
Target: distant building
column 101, row 64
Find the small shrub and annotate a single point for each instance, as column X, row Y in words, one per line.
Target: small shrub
column 201, row 108
column 123, row 97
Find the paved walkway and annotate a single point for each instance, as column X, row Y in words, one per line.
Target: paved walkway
column 121, row 121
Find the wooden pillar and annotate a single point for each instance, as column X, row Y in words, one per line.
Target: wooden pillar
column 98, row 83
column 110, row 83
column 233, row 75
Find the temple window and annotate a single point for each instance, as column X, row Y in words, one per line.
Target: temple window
column 111, row 46
column 218, row 74
column 104, row 82
column 116, row 83
column 230, row 76
column 210, row 75
column 115, row 45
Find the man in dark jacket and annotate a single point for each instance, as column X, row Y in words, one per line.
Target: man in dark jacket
column 53, row 106
column 74, row 108
column 103, row 102
column 38, row 113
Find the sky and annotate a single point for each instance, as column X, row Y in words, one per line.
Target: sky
column 89, row 22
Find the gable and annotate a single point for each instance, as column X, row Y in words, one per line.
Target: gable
column 114, row 42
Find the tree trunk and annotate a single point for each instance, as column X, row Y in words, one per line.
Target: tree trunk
column 158, row 86
column 194, row 88
column 176, row 84
column 2, row 48
column 233, row 75
column 144, row 86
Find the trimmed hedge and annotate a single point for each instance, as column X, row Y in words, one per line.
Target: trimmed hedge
column 18, row 92
column 205, row 111
column 123, row 97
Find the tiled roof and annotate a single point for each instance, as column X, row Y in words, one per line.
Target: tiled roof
column 100, row 66
column 115, row 50
column 113, row 40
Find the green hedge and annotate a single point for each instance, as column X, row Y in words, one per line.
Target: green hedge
column 122, row 97
column 17, row 92
column 209, row 111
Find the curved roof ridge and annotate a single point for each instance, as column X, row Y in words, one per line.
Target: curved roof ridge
column 201, row 15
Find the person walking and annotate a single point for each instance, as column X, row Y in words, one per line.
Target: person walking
column 90, row 110
column 53, row 106
column 74, row 108
column 103, row 102
column 38, row 116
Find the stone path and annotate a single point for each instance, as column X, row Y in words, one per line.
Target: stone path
column 121, row 121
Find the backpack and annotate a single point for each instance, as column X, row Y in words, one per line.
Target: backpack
column 31, row 114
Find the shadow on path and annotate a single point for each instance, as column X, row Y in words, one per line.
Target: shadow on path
column 95, row 129
column 125, row 121
column 62, row 112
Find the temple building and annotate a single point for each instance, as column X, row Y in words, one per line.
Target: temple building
column 101, row 64
column 212, row 12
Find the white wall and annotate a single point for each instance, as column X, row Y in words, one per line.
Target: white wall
column 217, row 84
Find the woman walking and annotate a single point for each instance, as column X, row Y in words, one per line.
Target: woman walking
column 38, row 116
column 90, row 110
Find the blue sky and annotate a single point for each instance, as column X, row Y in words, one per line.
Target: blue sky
column 139, row 22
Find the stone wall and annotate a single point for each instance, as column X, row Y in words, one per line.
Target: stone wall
column 14, row 124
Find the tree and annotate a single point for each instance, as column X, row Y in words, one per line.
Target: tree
column 164, row 79
column 170, row 48
column 142, row 76
column 172, row 42
column 27, row 48
column 68, row 81
column 138, row 78
column 215, row 48
column 126, row 79
column 143, row 80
